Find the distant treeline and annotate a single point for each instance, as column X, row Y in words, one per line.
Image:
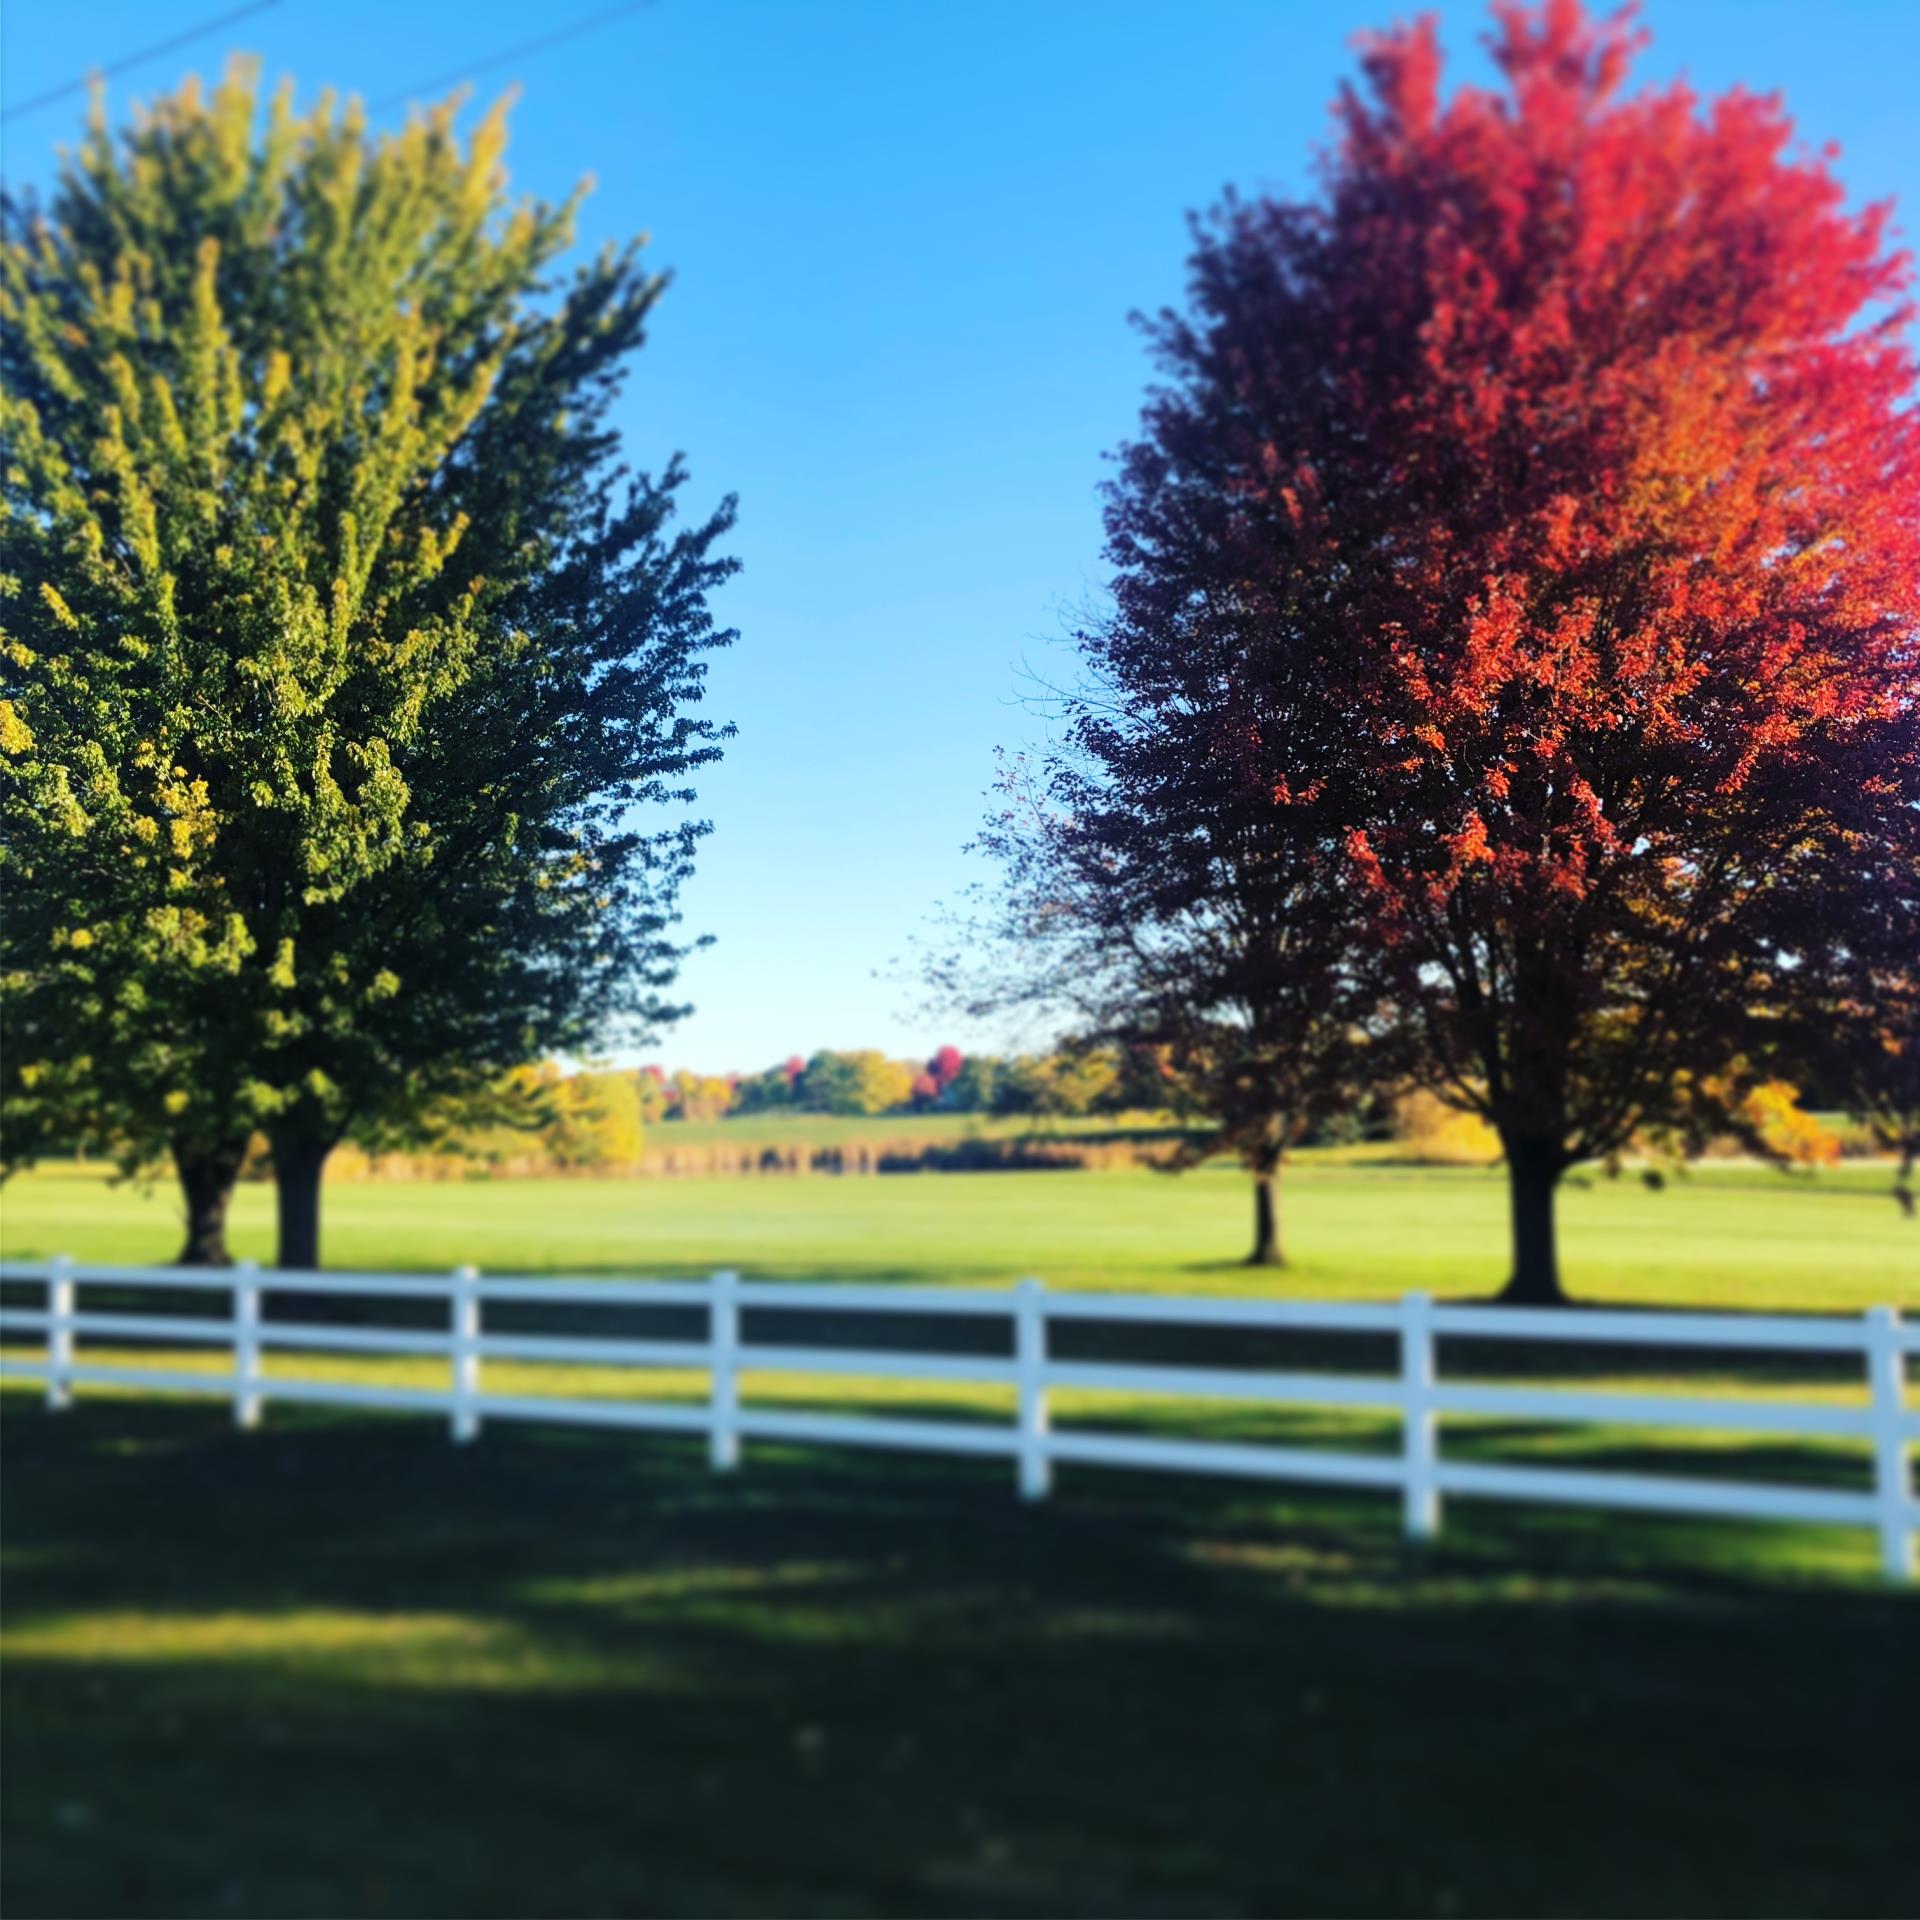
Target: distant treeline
column 866, row 1081
column 1116, row 1147
column 645, row 1122
column 542, row 1120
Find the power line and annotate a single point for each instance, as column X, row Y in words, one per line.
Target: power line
column 538, row 44
column 153, row 52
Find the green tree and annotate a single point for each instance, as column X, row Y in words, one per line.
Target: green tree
column 339, row 653
column 864, row 1081
column 1072, row 1081
column 650, row 1089
column 702, row 1096
column 972, row 1089
column 767, row 1092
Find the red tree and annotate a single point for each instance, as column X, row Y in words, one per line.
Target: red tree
column 945, row 1067
column 1857, row 965
column 1575, row 423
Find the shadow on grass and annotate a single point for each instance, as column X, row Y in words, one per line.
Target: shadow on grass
column 1463, row 1357
column 339, row 1666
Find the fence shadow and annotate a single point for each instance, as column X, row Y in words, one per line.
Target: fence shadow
column 339, row 1665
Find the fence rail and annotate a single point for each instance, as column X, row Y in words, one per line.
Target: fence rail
column 1419, row 1470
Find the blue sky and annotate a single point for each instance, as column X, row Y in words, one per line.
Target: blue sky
column 905, row 240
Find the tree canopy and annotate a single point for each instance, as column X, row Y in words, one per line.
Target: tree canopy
column 341, row 654
column 1558, row 465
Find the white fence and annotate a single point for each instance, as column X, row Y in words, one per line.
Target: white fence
column 1419, row 1470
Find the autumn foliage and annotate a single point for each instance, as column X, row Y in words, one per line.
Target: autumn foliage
column 1559, row 454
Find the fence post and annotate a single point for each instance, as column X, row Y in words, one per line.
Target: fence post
column 1419, row 1422
column 1893, row 1487
column 246, row 1344
column 723, row 1329
column 1030, row 1365
column 60, row 1335
column 466, row 1353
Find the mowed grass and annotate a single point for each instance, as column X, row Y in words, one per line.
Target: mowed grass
column 340, row 1666
column 1739, row 1237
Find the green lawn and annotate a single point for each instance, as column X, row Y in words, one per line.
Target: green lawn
column 1727, row 1236
column 340, row 1666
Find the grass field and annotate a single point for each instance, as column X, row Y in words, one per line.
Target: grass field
column 339, row 1666
column 1732, row 1236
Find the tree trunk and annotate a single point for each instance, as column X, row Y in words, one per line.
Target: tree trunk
column 207, row 1177
column 1533, row 1179
column 1266, row 1219
column 297, row 1166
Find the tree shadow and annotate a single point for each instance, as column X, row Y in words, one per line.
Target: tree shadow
column 342, row 1666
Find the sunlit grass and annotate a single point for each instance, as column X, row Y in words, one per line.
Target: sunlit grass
column 1725, row 1236
column 311, row 1633
column 341, row 1664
